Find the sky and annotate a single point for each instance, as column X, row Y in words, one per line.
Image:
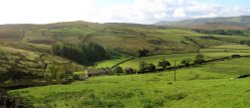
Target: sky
column 125, row 11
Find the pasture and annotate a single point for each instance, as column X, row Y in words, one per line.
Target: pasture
column 209, row 54
column 214, row 84
column 210, row 85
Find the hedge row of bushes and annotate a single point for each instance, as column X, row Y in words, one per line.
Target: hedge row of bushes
column 150, row 67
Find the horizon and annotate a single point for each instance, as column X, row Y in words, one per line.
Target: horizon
column 117, row 11
column 119, row 22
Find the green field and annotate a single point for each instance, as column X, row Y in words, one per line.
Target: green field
column 208, row 53
column 210, row 85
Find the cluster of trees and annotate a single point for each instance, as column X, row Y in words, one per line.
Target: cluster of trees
column 143, row 68
column 186, row 62
column 150, row 67
column 221, row 32
column 58, row 72
column 119, row 71
column 146, row 67
column 143, row 53
column 199, row 59
column 85, row 54
column 61, row 71
column 164, row 63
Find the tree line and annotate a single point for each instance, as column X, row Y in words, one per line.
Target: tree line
column 84, row 53
column 150, row 67
column 220, row 32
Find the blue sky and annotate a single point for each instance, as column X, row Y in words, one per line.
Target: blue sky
column 227, row 2
column 129, row 11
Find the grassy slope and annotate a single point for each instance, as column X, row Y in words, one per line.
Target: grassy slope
column 209, row 53
column 123, row 38
column 211, row 85
column 204, row 86
column 127, row 38
column 240, row 23
column 21, row 62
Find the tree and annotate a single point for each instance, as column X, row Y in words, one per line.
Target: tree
column 186, row 62
column 50, row 72
column 95, row 52
column 199, row 59
column 129, row 71
column 151, row 67
column 118, row 70
column 142, row 67
column 164, row 64
column 56, row 49
column 143, row 53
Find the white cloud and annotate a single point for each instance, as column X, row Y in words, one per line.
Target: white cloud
column 179, row 13
column 150, row 11
column 139, row 11
column 44, row 11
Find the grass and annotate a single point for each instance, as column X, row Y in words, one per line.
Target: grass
column 142, row 94
column 126, row 38
column 110, row 63
column 211, row 85
column 177, row 57
column 155, row 59
column 23, row 63
column 209, row 53
column 236, row 67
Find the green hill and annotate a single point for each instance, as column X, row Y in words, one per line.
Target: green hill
column 241, row 22
column 210, row 85
column 29, row 46
column 120, row 38
column 34, row 54
column 24, row 66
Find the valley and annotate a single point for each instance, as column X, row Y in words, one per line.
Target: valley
column 82, row 64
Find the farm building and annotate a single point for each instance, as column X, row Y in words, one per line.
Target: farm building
column 99, row 72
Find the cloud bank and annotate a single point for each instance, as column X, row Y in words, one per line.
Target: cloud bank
column 137, row 11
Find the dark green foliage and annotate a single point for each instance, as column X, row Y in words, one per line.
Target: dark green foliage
column 221, row 32
column 143, row 53
column 142, row 67
column 151, row 67
column 118, row 70
column 235, row 56
column 71, row 52
column 56, row 49
column 145, row 67
column 58, row 71
column 94, row 52
column 199, row 59
column 186, row 62
column 130, row 71
column 164, row 64
column 50, row 72
column 76, row 77
column 86, row 54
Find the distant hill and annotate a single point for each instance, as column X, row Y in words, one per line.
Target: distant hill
column 240, row 22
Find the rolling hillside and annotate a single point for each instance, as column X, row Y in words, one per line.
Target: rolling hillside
column 26, row 57
column 120, row 38
column 26, row 48
column 240, row 23
column 210, row 85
